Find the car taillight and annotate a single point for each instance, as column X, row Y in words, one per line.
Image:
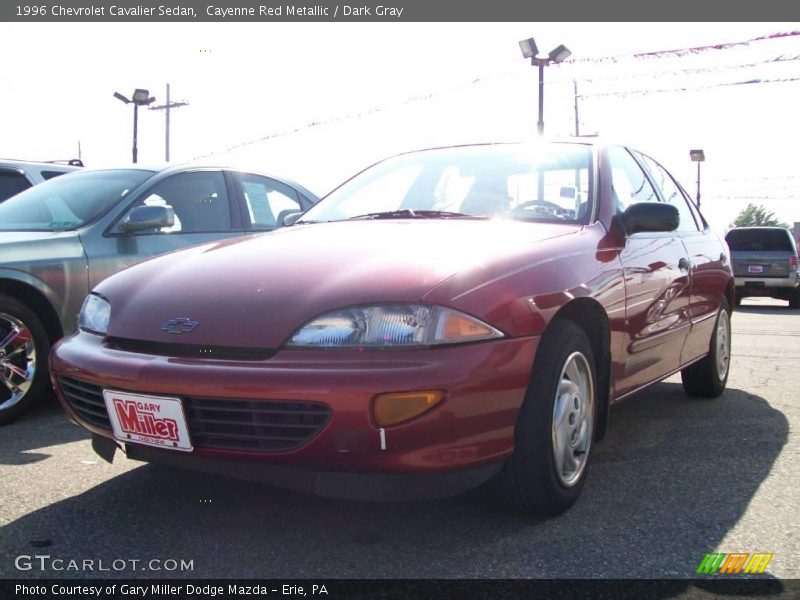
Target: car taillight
column 793, row 261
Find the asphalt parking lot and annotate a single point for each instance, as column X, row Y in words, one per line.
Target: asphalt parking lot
column 674, row 479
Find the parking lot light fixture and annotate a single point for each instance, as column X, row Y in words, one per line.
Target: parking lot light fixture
column 558, row 54
column 141, row 97
column 528, row 47
column 697, row 156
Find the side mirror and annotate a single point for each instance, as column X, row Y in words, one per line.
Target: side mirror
column 149, row 217
column 287, row 218
column 650, row 216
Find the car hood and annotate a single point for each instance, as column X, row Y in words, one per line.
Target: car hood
column 255, row 292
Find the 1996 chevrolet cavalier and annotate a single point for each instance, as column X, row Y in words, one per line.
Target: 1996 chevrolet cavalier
column 445, row 318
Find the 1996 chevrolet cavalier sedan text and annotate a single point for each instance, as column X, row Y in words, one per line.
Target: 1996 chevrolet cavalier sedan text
column 443, row 319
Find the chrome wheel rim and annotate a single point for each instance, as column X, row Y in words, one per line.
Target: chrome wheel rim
column 723, row 338
column 17, row 360
column 573, row 419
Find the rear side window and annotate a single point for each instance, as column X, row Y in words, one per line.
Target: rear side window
column 51, row 174
column 267, row 201
column 754, row 240
column 11, row 183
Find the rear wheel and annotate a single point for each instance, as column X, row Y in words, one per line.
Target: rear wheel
column 707, row 378
column 794, row 299
column 24, row 348
column 555, row 427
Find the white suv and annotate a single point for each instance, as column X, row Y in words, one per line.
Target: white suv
column 18, row 175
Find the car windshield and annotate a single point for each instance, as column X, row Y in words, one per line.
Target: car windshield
column 536, row 182
column 69, row 201
column 754, row 240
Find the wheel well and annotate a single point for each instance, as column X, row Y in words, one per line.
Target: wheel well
column 730, row 294
column 38, row 303
column 590, row 316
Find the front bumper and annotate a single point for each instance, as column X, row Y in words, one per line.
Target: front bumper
column 455, row 446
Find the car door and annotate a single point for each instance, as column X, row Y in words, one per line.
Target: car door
column 204, row 212
column 657, row 284
column 265, row 202
column 707, row 258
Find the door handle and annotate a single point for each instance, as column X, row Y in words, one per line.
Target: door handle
column 684, row 264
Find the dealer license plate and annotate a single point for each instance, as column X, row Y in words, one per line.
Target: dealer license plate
column 150, row 420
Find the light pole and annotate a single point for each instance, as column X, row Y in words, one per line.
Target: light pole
column 697, row 156
column 140, row 98
column 558, row 54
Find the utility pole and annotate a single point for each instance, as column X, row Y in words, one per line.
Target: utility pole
column 577, row 121
column 166, row 108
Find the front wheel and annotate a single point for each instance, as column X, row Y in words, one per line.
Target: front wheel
column 24, row 347
column 555, row 427
column 708, row 377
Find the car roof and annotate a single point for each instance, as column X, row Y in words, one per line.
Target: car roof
column 170, row 168
column 59, row 165
column 751, row 227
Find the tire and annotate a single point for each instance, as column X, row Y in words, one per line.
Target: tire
column 794, row 299
column 708, row 377
column 538, row 480
column 737, row 301
column 24, row 350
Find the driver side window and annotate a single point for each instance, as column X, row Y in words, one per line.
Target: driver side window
column 628, row 182
column 199, row 200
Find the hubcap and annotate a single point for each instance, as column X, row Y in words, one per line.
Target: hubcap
column 723, row 344
column 573, row 419
column 17, row 360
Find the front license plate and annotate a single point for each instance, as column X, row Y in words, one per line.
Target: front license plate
column 150, row 420
column 755, row 269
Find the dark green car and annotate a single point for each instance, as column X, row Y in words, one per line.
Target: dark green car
column 61, row 238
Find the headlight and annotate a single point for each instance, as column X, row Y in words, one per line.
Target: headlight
column 94, row 315
column 391, row 325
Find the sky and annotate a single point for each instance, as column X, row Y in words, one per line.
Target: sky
column 319, row 101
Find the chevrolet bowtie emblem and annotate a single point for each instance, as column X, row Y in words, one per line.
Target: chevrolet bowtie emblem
column 179, row 325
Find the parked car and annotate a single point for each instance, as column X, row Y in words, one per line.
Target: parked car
column 18, row 175
column 61, row 238
column 764, row 263
column 443, row 319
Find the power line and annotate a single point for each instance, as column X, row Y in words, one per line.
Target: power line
column 678, row 52
column 684, row 51
column 689, row 89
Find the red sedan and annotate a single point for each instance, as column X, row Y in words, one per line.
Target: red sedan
column 443, row 319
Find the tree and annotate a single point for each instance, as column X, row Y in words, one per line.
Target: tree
column 757, row 215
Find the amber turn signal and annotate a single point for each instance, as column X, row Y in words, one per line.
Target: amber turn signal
column 394, row 408
column 460, row 327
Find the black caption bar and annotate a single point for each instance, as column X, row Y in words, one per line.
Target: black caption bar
column 394, row 10
column 432, row 589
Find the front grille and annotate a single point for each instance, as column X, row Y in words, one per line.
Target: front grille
column 87, row 400
column 221, row 423
column 270, row 426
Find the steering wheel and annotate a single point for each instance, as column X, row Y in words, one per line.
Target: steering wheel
column 551, row 208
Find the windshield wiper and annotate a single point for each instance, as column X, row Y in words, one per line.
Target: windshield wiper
column 407, row 213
